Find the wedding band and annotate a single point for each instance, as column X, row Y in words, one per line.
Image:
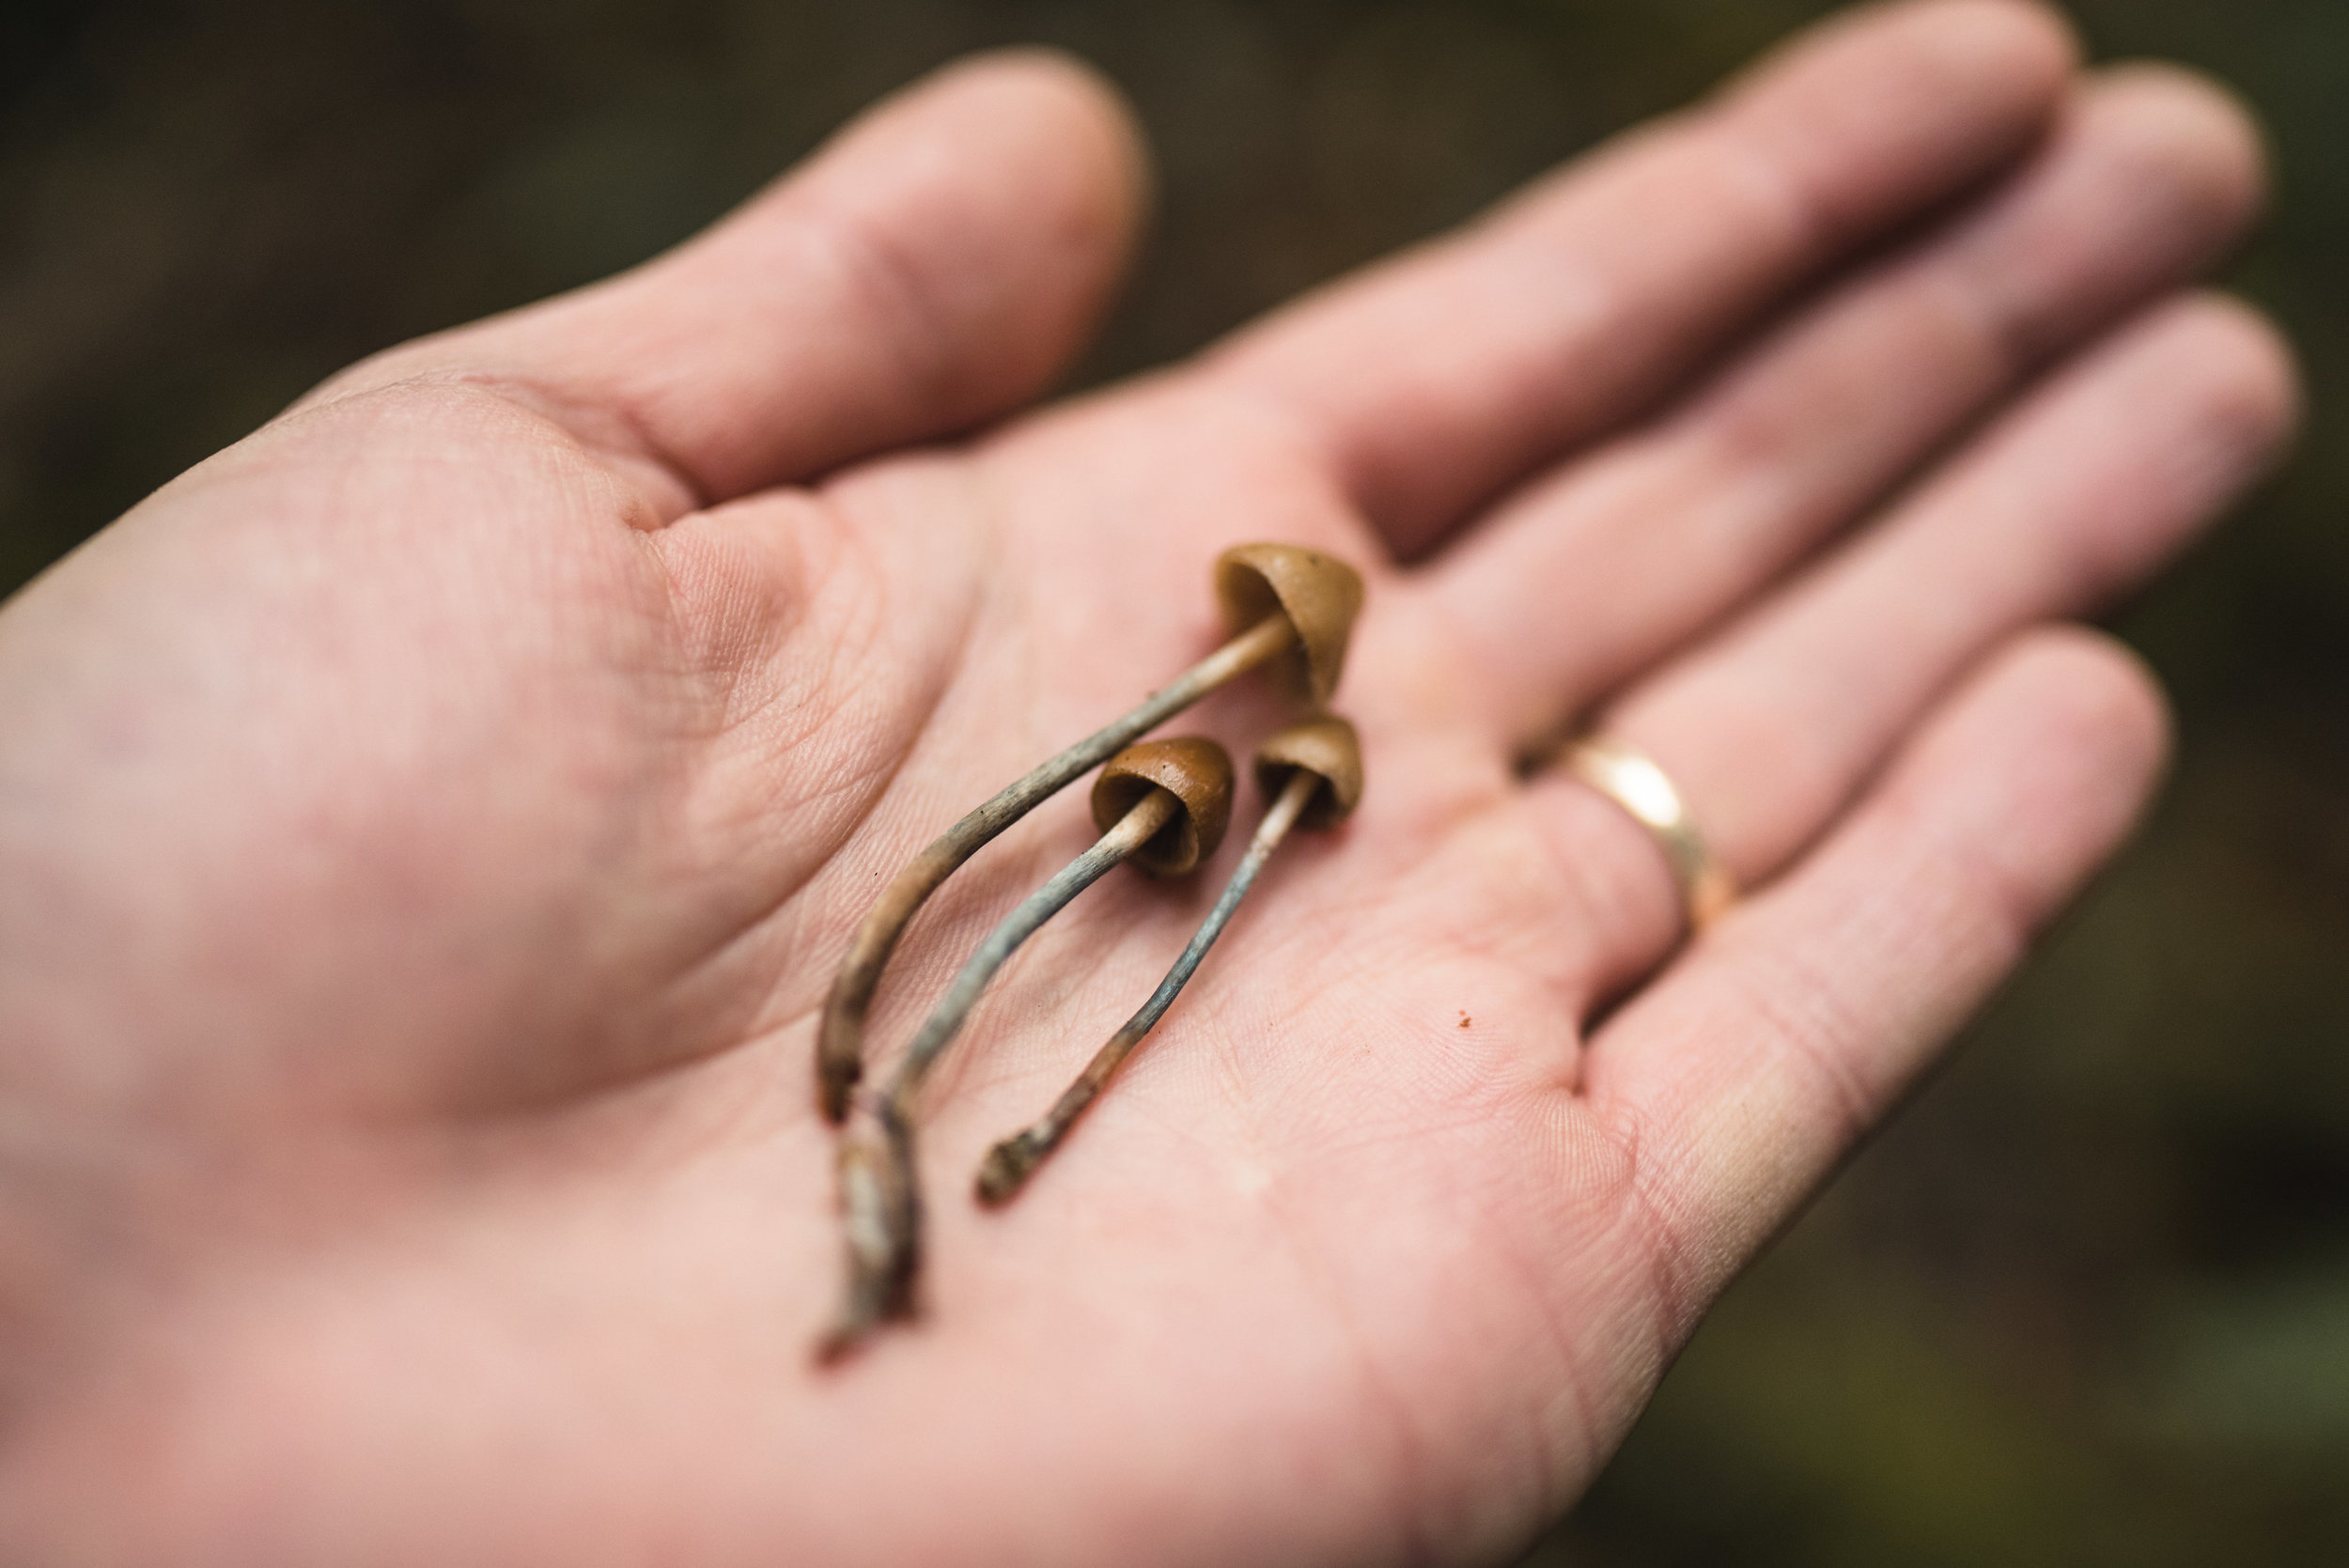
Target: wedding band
column 1629, row 777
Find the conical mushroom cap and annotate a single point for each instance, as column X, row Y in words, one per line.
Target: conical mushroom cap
column 1196, row 771
column 1327, row 749
column 1320, row 594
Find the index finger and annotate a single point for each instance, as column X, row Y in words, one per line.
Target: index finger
column 1432, row 381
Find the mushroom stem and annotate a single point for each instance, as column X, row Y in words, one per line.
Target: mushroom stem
column 1010, row 1164
column 879, row 1210
column 1134, row 830
column 881, row 1206
column 840, row 1057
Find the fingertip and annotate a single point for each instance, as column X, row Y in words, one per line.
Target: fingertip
column 2031, row 46
column 1879, row 94
column 2162, row 428
column 2015, row 53
column 2095, row 697
column 1070, row 112
column 2251, row 391
column 2196, row 134
column 2044, row 762
column 2038, row 41
column 1030, row 130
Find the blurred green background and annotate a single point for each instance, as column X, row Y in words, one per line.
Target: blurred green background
column 2086, row 1301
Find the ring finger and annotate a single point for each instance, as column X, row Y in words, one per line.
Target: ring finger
column 1772, row 725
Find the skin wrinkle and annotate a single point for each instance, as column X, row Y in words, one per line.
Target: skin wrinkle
column 1406, row 1446
column 636, row 446
column 798, row 700
column 943, row 913
column 423, row 399
column 624, row 1040
column 1676, row 1284
column 1548, row 1501
column 1574, row 1383
column 1901, row 816
column 1820, row 1039
column 1363, row 1135
column 722, row 1037
column 588, row 433
column 744, row 621
column 1056, row 972
column 405, row 401
column 683, row 977
column 1376, row 1390
column 1821, row 1035
column 1472, row 1124
column 886, row 776
column 1467, row 1503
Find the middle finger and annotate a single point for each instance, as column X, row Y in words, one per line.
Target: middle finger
column 1590, row 575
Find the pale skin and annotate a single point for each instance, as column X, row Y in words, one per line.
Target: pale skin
column 427, row 828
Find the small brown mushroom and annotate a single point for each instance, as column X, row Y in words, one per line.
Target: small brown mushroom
column 1281, row 603
column 1312, row 775
column 1318, row 594
column 1163, row 805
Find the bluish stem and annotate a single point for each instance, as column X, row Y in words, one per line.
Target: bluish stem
column 1009, row 1163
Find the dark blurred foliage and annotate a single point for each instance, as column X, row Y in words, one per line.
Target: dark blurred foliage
column 2087, row 1301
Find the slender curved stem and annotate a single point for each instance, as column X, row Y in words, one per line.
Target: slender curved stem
column 1153, row 811
column 840, row 1053
column 880, row 1192
column 1008, row 1165
column 881, row 1222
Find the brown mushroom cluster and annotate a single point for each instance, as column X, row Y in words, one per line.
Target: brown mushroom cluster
column 1162, row 806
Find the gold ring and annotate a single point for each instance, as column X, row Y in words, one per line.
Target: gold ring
column 1629, row 777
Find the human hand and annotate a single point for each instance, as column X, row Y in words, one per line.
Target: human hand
column 427, row 828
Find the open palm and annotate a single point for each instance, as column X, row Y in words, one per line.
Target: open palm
column 427, row 830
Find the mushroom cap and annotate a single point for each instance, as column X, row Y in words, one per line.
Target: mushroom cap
column 1320, row 594
column 1327, row 749
column 1192, row 768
